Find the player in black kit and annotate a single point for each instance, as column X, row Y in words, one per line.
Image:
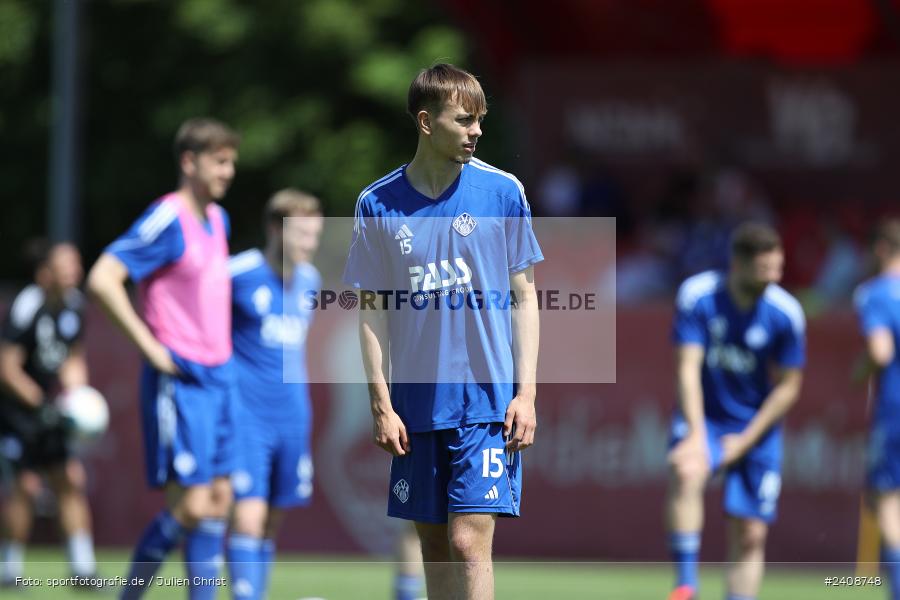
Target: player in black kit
column 40, row 355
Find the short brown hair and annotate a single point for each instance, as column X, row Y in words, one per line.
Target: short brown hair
column 434, row 87
column 751, row 239
column 888, row 232
column 290, row 202
column 203, row 135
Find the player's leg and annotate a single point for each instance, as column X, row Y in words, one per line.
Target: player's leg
column 747, row 557
column 179, row 463
column 751, row 492
column 471, row 542
column 408, row 578
column 17, row 520
column 887, row 510
column 251, row 482
column 204, row 546
column 688, row 475
column 440, row 576
column 290, row 486
column 68, row 481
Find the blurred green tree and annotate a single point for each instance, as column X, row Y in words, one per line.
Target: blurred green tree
column 316, row 87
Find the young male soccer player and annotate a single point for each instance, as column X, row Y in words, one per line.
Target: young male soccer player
column 40, row 355
column 730, row 329
column 272, row 313
column 177, row 252
column 442, row 229
column 878, row 306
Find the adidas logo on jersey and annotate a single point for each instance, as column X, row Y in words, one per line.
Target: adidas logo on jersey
column 493, row 493
column 403, row 233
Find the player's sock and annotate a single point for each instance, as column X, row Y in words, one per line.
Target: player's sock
column 407, row 587
column 890, row 561
column 13, row 556
column 685, row 549
column 81, row 554
column 266, row 558
column 163, row 534
column 244, row 566
column 203, row 547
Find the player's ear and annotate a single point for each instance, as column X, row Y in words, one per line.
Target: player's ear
column 423, row 119
column 186, row 163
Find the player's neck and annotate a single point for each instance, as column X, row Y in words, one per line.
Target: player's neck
column 429, row 174
column 197, row 203
column 741, row 298
column 276, row 261
column 891, row 267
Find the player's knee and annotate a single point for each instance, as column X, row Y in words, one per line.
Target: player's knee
column 690, row 473
column 468, row 544
column 248, row 519
column 193, row 506
column 752, row 536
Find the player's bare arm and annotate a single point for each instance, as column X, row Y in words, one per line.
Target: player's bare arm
column 689, row 364
column 74, row 370
column 773, row 409
column 106, row 283
column 389, row 430
column 521, row 418
column 15, row 379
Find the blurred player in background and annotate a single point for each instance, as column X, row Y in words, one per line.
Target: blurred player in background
column 460, row 404
column 272, row 313
column 878, row 307
column 41, row 354
column 730, row 329
column 177, row 252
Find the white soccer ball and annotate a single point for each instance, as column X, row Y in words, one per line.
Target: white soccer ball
column 86, row 408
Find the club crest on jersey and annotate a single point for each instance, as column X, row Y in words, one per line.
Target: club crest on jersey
column 262, row 299
column 401, row 490
column 756, row 337
column 464, row 224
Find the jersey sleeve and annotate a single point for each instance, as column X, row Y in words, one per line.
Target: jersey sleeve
column 791, row 351
column 871, row 310
column 522, row 248
column 688, row 326
column 365, row 260
column 20, row 317
column 151, row 243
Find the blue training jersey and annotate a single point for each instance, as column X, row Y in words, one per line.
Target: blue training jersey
column 877, row 304
column 739, row 346
column 271, row 319
column 451, row 361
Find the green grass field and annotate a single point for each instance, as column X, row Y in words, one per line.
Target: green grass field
column 333, row 578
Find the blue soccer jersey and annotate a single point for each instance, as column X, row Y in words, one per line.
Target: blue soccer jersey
column 270, row 319
column 740, row 346
column 446, row 263
column 878, row 307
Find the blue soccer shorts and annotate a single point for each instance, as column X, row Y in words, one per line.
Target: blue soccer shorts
column 461, row 470
column 753, row 484
column 274, row 461
column 188, row 423
column 883, row 457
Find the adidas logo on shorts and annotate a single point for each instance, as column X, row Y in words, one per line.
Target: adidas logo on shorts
column 492, row 494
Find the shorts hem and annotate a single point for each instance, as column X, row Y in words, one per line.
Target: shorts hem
column 506, row 511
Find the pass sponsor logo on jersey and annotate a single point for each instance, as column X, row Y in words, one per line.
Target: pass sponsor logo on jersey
column 443, row 274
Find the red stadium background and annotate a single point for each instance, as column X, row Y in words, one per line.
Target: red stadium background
column 594, row 483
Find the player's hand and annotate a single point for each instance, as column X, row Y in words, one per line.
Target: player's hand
column 734, row 447
column 390, row 434
column 520, row 423
column 160, row 359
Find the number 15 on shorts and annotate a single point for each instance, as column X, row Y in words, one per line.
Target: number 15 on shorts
column 493, row 462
